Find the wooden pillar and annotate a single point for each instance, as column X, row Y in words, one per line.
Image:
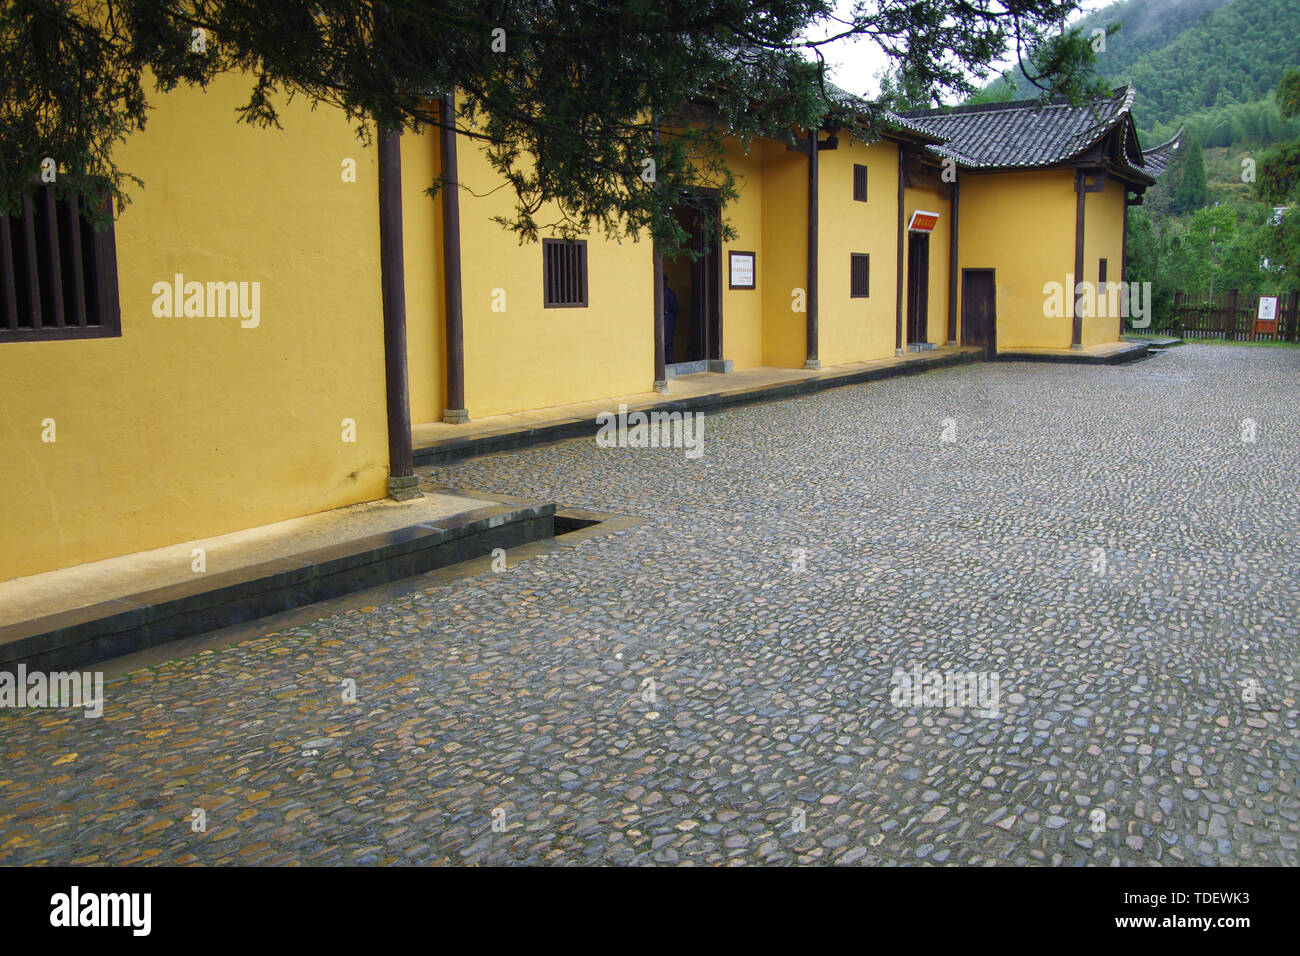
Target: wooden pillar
column 813, row 361
column 1123, row 267
column 456, row 412
column 1076, row 313
column 402, row 483
column 898, row 282
column 661, row 369
column 952, row 265
column 657, row 267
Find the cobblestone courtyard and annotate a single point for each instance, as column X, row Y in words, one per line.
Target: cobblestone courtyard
column 693, row 689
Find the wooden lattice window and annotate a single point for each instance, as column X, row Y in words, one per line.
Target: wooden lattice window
column 58, row 276
column 859, row 275
column 859, row 182
column 564, row 273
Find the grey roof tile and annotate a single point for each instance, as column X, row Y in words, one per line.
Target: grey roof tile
column 1157, row 159
column 1028, row 133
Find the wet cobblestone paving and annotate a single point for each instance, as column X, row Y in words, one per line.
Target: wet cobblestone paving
column 719, row 685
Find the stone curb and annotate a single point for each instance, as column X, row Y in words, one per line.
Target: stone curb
column 146, row 619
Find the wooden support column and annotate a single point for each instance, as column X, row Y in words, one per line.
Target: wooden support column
column 952, row 265
column 813, row 360
column 1123, row 267
column 402, row 483
column 1076, row 312
column 456, row 412
column 657, row 267
column 898, row 282
column 661, row 369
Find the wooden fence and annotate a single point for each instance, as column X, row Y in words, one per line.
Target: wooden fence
column 1231, row 318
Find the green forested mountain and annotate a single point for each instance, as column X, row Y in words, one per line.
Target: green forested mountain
column 1209, row 64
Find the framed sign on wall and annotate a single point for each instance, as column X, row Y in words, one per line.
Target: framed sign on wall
column 741, row 270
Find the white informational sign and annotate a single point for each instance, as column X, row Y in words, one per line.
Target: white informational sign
column 1267, row 308
column 742, row 270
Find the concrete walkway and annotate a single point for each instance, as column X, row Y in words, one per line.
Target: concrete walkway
column 438, row 442
column 1104, row 353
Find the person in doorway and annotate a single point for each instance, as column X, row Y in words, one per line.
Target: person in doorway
column 670, row 321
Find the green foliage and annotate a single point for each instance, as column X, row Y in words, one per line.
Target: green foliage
column 1192, row 193
column 1067, row 54
column 1281, row 244
column 900, row 93
column 569, row 111
column 1217, row 249
column 1288, row 94
column 1240, row 125
column 1279, row 174
column 1279, row 171
column 1146, row 260
column 1206, row 64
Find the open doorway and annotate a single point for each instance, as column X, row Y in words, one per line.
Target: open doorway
column 697, row 284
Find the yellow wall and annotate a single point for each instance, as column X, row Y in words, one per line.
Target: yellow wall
column 529, row 356
column 426, row 328
column 742, row 309
column 928, row 199
column 1022, row 225
column 1103, row 237
column 784, row 266
column 856, row 330
column 191, row 427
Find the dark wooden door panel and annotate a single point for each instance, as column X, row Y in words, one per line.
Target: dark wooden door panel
column 979, row 309
column 918, row 287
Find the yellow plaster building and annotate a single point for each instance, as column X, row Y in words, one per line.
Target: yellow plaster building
column 270, row 314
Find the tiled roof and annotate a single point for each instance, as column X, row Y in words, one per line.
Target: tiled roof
column 891, row 119
column 1028, row 133
column 1157, row 159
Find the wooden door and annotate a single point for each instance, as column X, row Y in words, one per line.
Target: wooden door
column 918, row 287
column 979, row 309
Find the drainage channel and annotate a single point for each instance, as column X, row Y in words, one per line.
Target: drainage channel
column 572, row 527
column 569, row 520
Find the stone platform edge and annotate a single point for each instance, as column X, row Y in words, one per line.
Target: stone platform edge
column 1134, row 352
column 147, row 619
column 447, row 450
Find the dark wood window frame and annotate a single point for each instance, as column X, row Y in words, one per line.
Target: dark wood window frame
column 859, row 275
column 58, row 276
column 564, row 273
column 859, row 182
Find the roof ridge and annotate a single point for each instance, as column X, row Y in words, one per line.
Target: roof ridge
column 1127, row 89
column 1171, row 141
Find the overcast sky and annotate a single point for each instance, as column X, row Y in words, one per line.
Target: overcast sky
column 856, row 63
